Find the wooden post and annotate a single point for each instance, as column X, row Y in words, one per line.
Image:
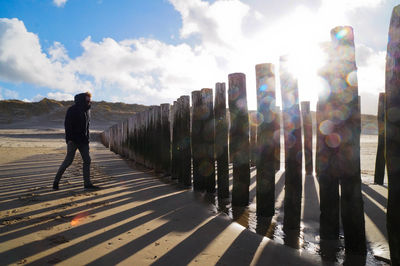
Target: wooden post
column 340, row 146
column 185, row 162
column 253, row 121
column 380, row 156
column 175, row 161
column 165, row 139
column 157, row 140
column 221, row 140
column 318, row 139
column 239, row 138
column 307, row 136
column 207, row 166
column 352, row 206
column 140, row 139
column 328, row 182
column 293, row 153
column 198, row 179
column 265, row 158
column 277, row 139
column 146, row 138
column 392, row 135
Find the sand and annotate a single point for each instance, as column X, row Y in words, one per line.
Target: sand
column 140, row 219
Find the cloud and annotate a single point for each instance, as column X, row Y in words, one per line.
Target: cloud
column 8, row 94
column 36, row 98
column 216, row 39
column 22, row 60
column 59, row 96
column 60, row 3
column 146, row 70
column 371, row 69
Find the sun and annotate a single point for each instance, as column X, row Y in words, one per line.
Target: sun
column 304, row 63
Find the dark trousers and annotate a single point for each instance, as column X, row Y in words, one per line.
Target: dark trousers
column 71, row 150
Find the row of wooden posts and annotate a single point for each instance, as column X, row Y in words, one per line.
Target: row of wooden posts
column 191, row 143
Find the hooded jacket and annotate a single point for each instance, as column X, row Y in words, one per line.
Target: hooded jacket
column 77, row 121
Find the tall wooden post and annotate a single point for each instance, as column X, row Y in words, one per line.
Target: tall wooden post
column 165, row 139
column 185, row 145
column 174, row 152
column 157, row 140
column 321, row 153
column 307, row 136
column 392, row 135
column 293, row 153
column 239, row 138
column 253, row 119
column 179, row 141
column 341, row 146
column 221, row 141
column 265, row 158
column 197, row 149
column 352, row 206
column 207, row 166
column 277, row 138
column 380, row 156
column 328, row 182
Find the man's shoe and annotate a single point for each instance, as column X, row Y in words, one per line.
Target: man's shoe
column 92, row 187
column 55, row 186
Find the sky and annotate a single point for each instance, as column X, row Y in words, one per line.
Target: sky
column 152, row 52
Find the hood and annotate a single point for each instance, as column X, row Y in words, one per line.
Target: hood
column 80, row 100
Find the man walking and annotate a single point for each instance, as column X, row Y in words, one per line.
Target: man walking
column 77, row 137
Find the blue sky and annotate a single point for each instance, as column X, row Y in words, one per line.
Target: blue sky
column 151, row 52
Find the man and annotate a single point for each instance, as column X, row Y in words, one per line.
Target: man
column 77, row 137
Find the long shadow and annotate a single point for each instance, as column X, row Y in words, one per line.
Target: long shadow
column 374, row 194
column 42, row 193
column 169, row 213
column 186, row 250
column 46, row 182
column 376, row 214
column 39, row 246
column 236, row 251
column 67, row 214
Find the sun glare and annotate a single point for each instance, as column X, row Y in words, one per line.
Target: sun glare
column 304, row 64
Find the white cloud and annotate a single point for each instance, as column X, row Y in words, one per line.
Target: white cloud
column 8, row 94
column 346, row 5
column 59, row 96
column 371, row 69
column 36, row 98
column 371, row 77
column 22, row 60
column 217, row 38
column 60, row 3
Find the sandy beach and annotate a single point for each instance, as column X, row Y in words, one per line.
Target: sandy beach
column 140, row 219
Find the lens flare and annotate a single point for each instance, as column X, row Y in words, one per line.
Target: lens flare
column 78, row 218
column 352, row 78
column 263, row 87
column 333, row 140
column 255, row 119
column 340, row 34
column 326, row 127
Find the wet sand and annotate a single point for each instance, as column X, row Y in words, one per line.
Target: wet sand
column 140, row 219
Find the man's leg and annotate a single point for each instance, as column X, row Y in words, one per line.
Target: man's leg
column 84, row 150
column 71, row 149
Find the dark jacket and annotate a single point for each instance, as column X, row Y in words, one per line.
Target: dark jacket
column 77, row 121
